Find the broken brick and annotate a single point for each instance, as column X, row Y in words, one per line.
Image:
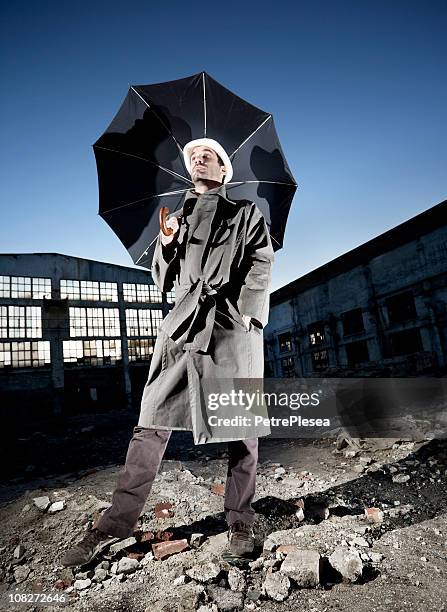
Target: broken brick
column 162, row 550
column 374, row 515
column 147, row 536
column 163, row 510
column 163, row 535
column 218, row 489
column 136, row 555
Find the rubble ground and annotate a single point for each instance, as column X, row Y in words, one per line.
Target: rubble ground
column 340, row 526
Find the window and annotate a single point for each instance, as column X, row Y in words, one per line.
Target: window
column 288, row 367
column 70, row 289
column 357, row 352
column 170, row 297
column 285, row 342
column 401, row 307
column 89, row 290
column 405, row 342
column 109, row 292
column 316, row 333
column 21, row 322
column 143, row 293
column 92, row 352
column 320, row 360
column 143, row 321
column 94, row 322
column 25, row 354
column 140, row 349
column 25, row 287
column 352, row 322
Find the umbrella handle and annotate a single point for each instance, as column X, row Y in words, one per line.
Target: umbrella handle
column 164, row 212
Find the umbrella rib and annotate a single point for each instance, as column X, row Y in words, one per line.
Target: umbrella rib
column 204, row 99
column 248, row 137
column 146, row 160
column 160, row 120
column 156, row 195
column 269, row 182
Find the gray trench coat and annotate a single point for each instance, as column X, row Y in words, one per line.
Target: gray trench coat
column 220, row 267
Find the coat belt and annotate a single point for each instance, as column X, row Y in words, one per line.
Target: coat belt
column 192, row 319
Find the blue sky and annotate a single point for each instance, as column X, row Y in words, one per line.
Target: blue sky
column 357, row 89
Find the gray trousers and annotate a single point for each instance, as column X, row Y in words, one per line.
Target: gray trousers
column 143, row 460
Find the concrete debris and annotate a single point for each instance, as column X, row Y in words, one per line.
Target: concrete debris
column 121, row 545
column 204, row 572
column 303, row 566
column 21, row 573
column 127, row 566
column 236, row 579
column 226, row 600
column 399, row 478
column 56, row 506
column 348, row 563
column 196, row 540
column 19, row 551
column 43, row 503
column 81, row 585
column 373, row 515
column 276, row 586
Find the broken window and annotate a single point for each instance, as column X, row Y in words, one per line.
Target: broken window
column 143, row 321
column 94, row 322
column 288, row 367
column 92, row 352
column 25, row 287
column 25, row 354
column 109, row 292
column 316, row 333
column 405, row 342
column 170, row 297
column 401, row 307
column 140, row 349
column 21, row 322
column 320, row 360
column 285, row 342
column 352, row 322
column 70, row 289
column 357, row 352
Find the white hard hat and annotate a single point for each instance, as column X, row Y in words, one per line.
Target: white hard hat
column 212, row 144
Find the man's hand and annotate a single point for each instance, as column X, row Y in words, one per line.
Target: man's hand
column 174, row 225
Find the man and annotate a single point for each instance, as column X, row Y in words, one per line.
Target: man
column 219, row 258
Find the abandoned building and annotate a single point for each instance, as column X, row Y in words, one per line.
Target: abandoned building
column 377, row 310
column 75, row 334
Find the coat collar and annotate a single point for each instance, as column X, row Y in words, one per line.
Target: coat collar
column 220, row 191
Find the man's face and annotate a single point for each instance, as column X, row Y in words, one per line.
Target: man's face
column 205, row 165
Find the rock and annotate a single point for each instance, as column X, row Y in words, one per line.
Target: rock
column 226, row 600
column 257, row 564
column 127, row 566
column 81, row 585
column 374, row 515
column 359, row 541
column 100, row 574
column 348, row 563
column 162, row 550
column 115, row 548
column 180, row 580
column 399, row 478
column 208, row 608
column 300, row 514
column 204, row 572
column 21, row 573
column 276, row 586
column 254, row 595
column 350, row 454
column 42, row 503
column 303, row 566
column 196, row 540
column 56, row 506
column 359, row 469
column 375, row 557
column 269, row 546
column 19, row 551
column 236, row 579
column 280, row 470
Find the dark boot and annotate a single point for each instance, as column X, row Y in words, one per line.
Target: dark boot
column 241, row 539
column 89, row 547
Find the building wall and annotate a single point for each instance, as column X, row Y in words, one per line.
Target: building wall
column 398, row 338
column 88, row 382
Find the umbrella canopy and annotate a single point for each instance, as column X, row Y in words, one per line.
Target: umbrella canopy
column 140, row 158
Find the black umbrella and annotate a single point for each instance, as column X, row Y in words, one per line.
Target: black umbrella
column 140, row 162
